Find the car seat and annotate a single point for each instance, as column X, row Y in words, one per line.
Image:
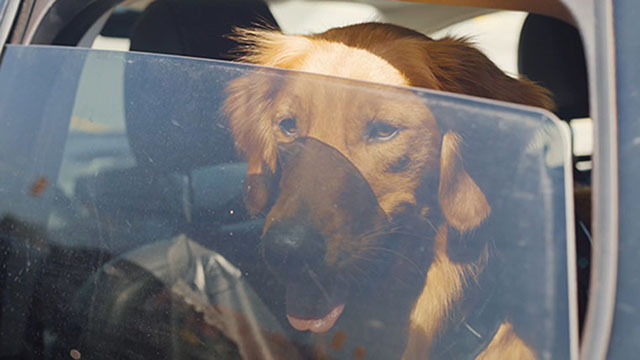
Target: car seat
column 175, row 148
column 551, row 53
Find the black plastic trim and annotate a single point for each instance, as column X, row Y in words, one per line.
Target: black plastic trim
column 66, row 21
column 8, row 12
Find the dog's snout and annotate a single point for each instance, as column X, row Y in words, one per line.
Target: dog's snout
column 290, row 247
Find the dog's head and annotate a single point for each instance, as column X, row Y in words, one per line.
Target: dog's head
column 339, row 171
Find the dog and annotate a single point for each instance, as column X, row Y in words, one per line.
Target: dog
column 337, row 174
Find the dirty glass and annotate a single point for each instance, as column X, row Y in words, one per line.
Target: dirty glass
column 166, row 207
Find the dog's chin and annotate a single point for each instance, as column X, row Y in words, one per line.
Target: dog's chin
column 315, row 307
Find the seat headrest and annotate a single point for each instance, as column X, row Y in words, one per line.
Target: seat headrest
column 195, row 27
column 550, row 53
column 171, row 125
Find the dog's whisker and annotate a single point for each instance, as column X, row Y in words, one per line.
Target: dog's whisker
column 399, row 233
column 376, row 233
column 379, row 232
column 396, row 228
column 314, row 277
column 432, row 225
column 259, row 247
column 358, row 277
column 398, row 254
column 363, row 257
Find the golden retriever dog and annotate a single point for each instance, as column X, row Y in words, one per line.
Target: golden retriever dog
column 356, row 185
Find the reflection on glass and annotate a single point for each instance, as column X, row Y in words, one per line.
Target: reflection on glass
column 393, row 222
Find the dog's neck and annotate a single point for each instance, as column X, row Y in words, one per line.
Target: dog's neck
column 438, row 320
column 473, row 324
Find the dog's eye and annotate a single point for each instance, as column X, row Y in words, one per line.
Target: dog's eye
column 289, row 126
column 381, row 131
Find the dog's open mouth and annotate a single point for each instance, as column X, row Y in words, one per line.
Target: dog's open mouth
column 315, row 307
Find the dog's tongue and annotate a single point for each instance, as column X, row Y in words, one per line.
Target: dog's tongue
column 318, row 325
column 315, row 308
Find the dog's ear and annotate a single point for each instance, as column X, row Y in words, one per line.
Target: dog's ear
column 462, row 202
column 459, row 67
column 247, row 107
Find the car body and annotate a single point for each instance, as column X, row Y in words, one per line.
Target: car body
column 76, row 194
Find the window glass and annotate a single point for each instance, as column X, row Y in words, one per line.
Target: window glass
column 130, row 227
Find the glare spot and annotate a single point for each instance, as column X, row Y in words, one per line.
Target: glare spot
column 75, row 354
column 584, row 165
column 231, row 212
column 376, row 324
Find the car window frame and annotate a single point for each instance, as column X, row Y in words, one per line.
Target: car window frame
column 600, row 53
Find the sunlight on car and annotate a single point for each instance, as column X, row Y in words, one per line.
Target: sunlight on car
column 496, row 34
column 111, row 43
column 301, row 17
column 582, row 130
column 582, row 136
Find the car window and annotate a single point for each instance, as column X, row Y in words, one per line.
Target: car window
column 128, row 224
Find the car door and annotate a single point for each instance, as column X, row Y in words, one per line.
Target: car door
column 123, row 220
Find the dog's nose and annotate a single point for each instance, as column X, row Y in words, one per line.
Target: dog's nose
column 291, row 247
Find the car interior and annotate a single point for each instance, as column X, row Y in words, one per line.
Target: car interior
column 550, row 52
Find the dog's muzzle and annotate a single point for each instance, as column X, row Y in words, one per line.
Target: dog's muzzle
column 318, row 224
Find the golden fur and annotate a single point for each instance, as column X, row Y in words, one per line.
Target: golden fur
column 391, row 55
